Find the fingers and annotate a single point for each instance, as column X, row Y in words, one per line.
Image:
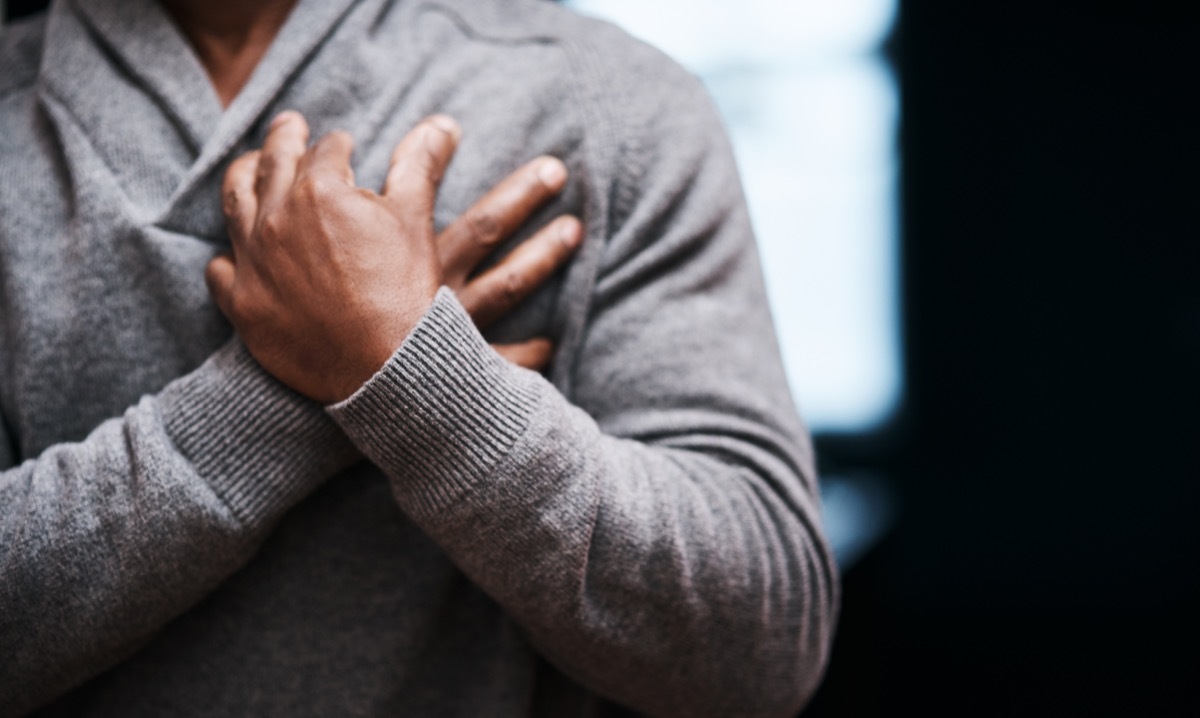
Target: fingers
column 219, row 277
column 238, row 200
column 418, row 164
column 330, row 157
column 475, row 234
column 534, row 354
column 494, row 293
column 286, row 143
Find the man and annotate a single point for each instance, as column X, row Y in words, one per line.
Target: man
column 356, row 506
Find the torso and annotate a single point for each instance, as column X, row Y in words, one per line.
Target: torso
column 103, row 241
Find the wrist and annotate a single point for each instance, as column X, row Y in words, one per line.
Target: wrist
column 379, row 339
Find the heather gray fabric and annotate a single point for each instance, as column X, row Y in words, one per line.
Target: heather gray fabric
column 181, row 535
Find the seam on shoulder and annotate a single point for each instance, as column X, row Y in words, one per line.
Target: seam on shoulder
column 472, row 31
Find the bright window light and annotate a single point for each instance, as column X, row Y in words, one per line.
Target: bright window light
column 812, row 109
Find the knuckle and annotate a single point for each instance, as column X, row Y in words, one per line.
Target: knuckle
column 266, row 165
column 315, row 188
column 263, row 174
column 273, row 226
column 230, row 202
column 512, row 289
column 485, row 227
column 271, row 161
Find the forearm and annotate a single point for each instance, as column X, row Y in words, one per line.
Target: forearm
column 679, row 580
column 104, row 541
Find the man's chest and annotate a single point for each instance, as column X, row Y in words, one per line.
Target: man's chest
column 104, row 298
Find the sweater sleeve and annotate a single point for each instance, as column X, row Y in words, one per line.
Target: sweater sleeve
column 658, row 536
column 104, row 541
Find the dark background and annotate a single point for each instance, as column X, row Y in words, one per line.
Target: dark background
column 1045, row 559
column 1046, row 460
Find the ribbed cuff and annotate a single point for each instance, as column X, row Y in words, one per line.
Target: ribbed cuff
column 260, row 445
column 443, row 411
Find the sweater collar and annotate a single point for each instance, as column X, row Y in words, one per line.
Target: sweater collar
column 142, row 45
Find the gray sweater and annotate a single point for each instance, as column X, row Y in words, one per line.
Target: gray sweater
column 181, row 535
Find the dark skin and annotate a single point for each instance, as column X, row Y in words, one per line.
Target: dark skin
column 327, row 278
column 320, row 311
column 229, row 37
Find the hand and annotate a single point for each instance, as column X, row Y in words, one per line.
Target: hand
column 327, row 279
column 476, row 234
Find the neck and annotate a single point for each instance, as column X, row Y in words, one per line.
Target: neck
column 229, row 37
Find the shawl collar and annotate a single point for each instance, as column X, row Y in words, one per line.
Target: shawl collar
column 96, row 49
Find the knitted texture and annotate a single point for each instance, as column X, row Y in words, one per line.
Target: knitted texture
column 181, row 535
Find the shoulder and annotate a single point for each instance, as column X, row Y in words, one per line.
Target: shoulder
column 650, row 116
column 20, row 53
column 597, row 54
column 653, row 150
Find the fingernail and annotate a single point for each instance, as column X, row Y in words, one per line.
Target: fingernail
column 570, row 231
column 552, row 172
column 446, row 124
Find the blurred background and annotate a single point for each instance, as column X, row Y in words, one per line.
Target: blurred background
column 979, row 233
column 978, row 229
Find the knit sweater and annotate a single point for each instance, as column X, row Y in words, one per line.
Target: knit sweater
column 181, row 535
